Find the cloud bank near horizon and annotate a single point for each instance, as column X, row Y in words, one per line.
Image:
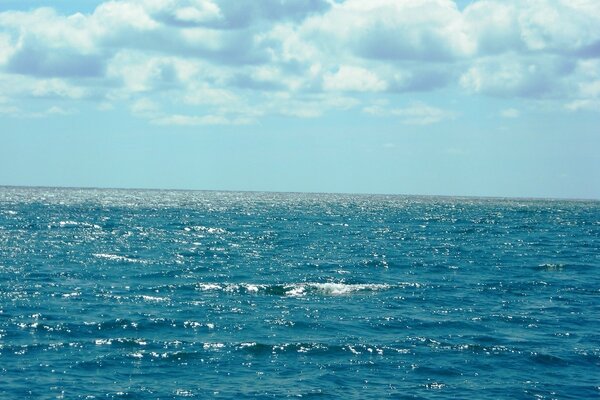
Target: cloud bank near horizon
column 207, row 62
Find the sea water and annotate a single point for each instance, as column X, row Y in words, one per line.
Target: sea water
column 172, row 294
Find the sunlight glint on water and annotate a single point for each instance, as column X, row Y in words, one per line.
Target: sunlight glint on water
column 168, row 294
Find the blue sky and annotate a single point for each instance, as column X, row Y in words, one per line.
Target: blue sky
column 482, row 98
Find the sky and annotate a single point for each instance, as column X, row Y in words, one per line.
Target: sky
column 427, row 97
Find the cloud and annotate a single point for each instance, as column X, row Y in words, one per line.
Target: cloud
column 37, row 61
column 493, row 26
column 510, row 113
column 14, row 111
column 206, row 95
column 138, row 72
column 24, row 87
column 241, row 61
column 583, row 105
column 239, row 14
column 586, row 87
column 415, row 114
column 145, row 108
column 511, row 75
column 563, row 26
column 389, row 30
column 422, row 114
column 194, row 13
column 349, row 78
column 6, row 49
column 309, row 105
column 42, row 43
column 232, row 14
column 555, row 26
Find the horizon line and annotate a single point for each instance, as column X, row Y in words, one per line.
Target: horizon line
column 153, row 189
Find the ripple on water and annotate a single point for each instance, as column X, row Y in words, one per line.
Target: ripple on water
column 160, row 294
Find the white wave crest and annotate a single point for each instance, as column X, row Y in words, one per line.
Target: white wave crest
column 333, row 289
column 114, row 257
column 207, row 229
column 63, row 224
column 154, row 298
column 300, row 289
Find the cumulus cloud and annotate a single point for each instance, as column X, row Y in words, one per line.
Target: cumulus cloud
column 349, row 78
column 192, row 13
column 587, row 86
column 232, row 14
column 389, row 30
column 300, row 57
column 42, row 43
column 557, row 26
column 6, row 49
column 524, row 76
column 38, row 61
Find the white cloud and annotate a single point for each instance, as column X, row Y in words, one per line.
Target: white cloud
column 45, row 44
column 349, row 78
column 57, row 88
column 139, row 73
column 6, row 48
column 422, row 114
column 590, row 89
column 562, row 26
column 585, row 84
column 585, row 105
column 17, row 112
column 199, row 12
column 559, row 26
column 510, row 113
column 45, row 28
column 309, row 105
column 427, row 30
column 145, row 108
column 511, row 75
column 24, row 87
column 55, row 110
column 113, row 16
column 8, row 109
column 206, row 95
column 493, row 26
column 298, row 57
column 415, row 114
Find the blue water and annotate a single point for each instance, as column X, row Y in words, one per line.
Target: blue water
column 169, row 294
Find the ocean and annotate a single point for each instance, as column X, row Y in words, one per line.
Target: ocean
column 172, row 294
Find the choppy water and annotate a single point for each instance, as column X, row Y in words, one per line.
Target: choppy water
column 168, row 294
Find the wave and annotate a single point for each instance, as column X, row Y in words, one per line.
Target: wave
column 302, row 289
column 72, row 224
column 115, row 257
column 205, row 229
column 147, row 347
column 142, row 348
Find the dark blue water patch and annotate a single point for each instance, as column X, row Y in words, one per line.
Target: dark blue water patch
column 142, row 294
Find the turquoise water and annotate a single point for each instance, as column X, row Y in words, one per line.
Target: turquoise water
column 169, row 294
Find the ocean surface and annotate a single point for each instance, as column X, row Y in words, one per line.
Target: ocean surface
column 173, row 294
